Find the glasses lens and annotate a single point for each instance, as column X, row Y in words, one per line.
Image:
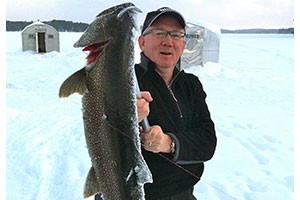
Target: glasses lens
column 162, row 33
column 176, row 35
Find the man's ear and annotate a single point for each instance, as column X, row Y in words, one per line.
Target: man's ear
column 183, row 46
column 141, row 41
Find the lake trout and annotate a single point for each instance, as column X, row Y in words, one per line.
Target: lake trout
column 107, row 83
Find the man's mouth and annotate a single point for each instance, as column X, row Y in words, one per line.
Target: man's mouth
column 166, row 53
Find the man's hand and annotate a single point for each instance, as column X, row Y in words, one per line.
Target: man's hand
column 156, row 140
column 143, row 105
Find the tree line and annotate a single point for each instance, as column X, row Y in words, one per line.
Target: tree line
column 256, row 31
column 59, row 25
column 69, row 26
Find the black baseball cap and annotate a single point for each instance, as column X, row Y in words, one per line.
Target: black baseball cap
column 152, row 16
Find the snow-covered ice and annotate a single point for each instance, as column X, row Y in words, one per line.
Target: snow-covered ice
column 250, row 96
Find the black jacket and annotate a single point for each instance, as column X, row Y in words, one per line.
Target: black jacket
column 182, row 112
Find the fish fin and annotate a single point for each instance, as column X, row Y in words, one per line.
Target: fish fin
column 91, row 186
column 75, row 83
column 142, row 171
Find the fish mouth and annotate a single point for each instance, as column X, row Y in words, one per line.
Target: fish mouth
column 95, row 50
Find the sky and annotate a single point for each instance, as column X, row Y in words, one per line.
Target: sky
column 229, row 14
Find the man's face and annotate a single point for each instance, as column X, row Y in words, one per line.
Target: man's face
column 164, row 51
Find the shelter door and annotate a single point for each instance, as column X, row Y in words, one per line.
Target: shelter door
column 40, row 42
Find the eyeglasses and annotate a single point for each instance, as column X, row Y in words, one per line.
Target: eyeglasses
column 163, row 33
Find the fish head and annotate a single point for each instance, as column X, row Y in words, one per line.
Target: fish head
column 112, row 23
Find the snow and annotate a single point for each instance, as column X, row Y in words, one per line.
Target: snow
column 250, row 96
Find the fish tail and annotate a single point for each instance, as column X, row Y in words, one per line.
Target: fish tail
column 142, row 171
column 91, row 186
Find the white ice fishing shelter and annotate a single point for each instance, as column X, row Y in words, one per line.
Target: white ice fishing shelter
column 202, row 44
column 40, row 37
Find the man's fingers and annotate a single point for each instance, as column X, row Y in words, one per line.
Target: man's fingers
column 146, row 95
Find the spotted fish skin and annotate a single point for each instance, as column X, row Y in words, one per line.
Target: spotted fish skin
column 109, row 106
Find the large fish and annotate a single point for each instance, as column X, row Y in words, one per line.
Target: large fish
column 109, row 106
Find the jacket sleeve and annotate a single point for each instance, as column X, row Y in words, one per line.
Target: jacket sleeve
column 197, row 143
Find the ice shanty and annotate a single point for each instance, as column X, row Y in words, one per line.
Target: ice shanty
column 202, row 44
column 40, row 37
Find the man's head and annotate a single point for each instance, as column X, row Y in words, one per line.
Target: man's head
column 152, row 16
column 162, row 38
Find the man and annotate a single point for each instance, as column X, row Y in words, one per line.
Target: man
column 182, row 135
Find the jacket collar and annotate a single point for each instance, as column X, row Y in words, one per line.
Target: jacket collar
column 146, row 63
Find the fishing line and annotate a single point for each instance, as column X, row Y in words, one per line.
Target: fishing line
column 174, row 163
column 197, row 177
column 161, row 155
column 219, row 190
column 179, row 166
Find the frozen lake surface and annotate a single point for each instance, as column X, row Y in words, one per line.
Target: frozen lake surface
column 250, row 96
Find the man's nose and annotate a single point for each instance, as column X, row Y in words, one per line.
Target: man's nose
column 168, row 41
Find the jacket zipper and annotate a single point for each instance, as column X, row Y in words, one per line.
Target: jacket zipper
column 173, row 95
column 176, row 101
